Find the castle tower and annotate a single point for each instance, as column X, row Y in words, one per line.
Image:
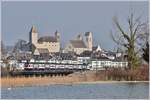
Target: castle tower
column 33, row 35
column 88, row 40
column 57, row 35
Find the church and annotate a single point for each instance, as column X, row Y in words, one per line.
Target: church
column 79, row 44
column 45, row 44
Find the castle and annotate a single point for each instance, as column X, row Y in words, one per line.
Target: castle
column 46, row 44
column 51, row 44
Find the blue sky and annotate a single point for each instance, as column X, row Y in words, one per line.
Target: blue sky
column 69, row 18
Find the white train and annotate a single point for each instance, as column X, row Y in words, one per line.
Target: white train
column 54, row 65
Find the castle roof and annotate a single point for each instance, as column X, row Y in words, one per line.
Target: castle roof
column 47, row 39
column 33, row 29
column 78, row 43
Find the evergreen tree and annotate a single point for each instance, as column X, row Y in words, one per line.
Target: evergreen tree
column 146, row 53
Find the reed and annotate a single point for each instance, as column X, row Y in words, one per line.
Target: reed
column 46, row 80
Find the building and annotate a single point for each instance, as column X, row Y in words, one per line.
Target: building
column 101, row 64
column 79, row 45
column 97, row 48
column 51, row 43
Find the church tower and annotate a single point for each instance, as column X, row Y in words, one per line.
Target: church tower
column 79, row 37
column 57, row 35
column 88, row 40
column 33, row 35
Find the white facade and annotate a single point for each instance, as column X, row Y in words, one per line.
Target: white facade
column 101, row 64
column 83, row 59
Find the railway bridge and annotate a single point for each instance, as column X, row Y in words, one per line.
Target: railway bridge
column 42, row 73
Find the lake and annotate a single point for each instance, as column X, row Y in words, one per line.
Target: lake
column 79, row 91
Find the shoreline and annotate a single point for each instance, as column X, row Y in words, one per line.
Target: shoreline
column 46, row 81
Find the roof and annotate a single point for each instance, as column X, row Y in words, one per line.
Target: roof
column 86, row 53
column 65, row 56
column 41, row 50
column 78, row 43
column 47, row 39
column 87, row 33
column 102, row 59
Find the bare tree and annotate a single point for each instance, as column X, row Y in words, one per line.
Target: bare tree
column 132, row 40
column 20, row 45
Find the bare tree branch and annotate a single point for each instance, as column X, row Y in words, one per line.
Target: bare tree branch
column 120, row 29
column 117, row 41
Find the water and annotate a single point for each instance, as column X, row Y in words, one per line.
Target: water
column 79, row 91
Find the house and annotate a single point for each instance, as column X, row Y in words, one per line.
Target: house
column 84, row 60
column 101, row 64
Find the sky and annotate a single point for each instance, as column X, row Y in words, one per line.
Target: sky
column 69, row 18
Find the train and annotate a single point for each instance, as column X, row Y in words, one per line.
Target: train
column 47, row 65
